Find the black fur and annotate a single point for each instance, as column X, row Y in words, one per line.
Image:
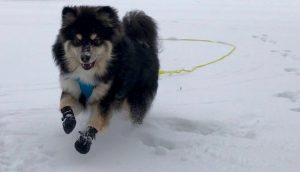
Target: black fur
column 134, row 69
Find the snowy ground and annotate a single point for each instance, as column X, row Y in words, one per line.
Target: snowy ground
column 241, row 114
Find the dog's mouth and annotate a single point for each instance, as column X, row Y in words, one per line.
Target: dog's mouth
column 88, row 66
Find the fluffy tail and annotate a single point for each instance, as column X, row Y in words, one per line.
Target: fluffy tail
column 141, row 28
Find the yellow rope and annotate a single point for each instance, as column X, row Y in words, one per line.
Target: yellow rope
column 170, row 72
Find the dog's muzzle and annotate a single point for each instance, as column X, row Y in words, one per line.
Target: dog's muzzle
column 86, row 56
column 86, row 53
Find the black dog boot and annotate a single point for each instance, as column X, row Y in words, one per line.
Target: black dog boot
column 68, row 119
column 83, row 144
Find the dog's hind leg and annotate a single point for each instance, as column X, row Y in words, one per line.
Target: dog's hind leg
column 70, row 107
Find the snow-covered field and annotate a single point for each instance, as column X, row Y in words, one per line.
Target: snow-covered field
column 241, row 114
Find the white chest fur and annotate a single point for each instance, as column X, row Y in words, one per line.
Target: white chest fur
column 70, row 85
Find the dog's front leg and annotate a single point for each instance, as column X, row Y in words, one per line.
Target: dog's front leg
column 99, row 120
column 70, row 107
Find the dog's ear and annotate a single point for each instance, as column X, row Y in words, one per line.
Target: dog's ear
column 108, row 15
column 69, row 15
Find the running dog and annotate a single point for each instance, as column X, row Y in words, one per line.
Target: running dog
column 105, row 64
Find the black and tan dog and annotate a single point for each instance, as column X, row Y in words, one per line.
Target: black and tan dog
column 104, row 64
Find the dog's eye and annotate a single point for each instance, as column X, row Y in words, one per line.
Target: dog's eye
column 77, row 42
column 97, row 42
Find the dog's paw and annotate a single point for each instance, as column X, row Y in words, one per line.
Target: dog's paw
column 69, row 121
column 83, row 144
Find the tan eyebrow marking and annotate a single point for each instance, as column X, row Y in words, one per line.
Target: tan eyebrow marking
column 93, row 36
column 79, row 36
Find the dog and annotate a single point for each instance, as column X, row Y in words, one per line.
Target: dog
column 105, row 64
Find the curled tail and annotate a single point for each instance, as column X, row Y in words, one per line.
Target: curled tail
column 141, row 28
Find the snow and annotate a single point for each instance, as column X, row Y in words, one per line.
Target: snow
column 241, row 114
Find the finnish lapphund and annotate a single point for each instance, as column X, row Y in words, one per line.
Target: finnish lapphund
column 105, row 64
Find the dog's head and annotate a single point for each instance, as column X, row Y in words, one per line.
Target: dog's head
column 88, row 34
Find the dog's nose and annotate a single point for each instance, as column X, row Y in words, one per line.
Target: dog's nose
column 85, row 58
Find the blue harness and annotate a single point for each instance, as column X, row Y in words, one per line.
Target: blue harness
column 86, row 89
